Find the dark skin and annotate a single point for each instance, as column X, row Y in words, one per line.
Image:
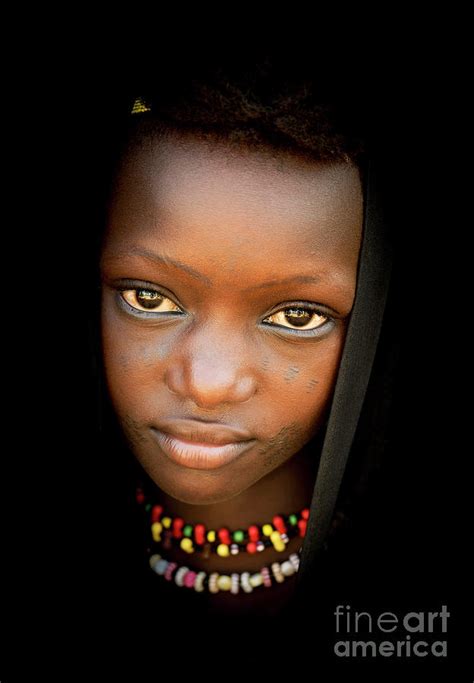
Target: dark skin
column 242, row 247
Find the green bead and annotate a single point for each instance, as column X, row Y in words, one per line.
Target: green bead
column 293, row 520
column 188, row 530
column 148, row 507
column 238, row 536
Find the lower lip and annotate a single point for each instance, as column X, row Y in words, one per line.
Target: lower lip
column 199, row 456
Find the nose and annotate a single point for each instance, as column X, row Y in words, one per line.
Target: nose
column 211, row 369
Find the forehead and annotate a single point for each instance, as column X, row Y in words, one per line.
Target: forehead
column 214, row 202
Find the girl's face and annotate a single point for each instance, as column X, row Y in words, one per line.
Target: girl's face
column 228, row 279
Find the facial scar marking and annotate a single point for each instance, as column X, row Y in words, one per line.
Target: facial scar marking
column 291, row 373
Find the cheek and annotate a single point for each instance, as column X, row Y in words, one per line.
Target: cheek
column 303, row 387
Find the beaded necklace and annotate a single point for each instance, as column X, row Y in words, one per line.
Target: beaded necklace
column 214, row 583
column 190, row 538
column 167, row 531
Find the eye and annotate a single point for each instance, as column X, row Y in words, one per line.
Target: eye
column 298, row 318
column 149, row 300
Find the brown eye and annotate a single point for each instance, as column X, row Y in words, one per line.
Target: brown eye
column 296, row 317
column 149, row 300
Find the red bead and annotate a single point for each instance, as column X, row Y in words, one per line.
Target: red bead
column 140, row 497
column 254, row 533
column 279, row 524
column 156, row 513
column 305, row 513
column 178, row 524
column 251, row 547
column 302, row 527
column 224, row 536
column 200, row 534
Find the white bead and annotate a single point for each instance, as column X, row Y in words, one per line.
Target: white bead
column 235, row 584
column 295, row 561
column 199, row 582
column 287, row 569
column 180, row 574
column 279, row 578
column 245, row 582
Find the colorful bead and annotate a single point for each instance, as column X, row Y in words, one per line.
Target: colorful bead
column 279, row 524
column 235, row 584
column 287, row 569
column 189, row 579
column 156, row 529
column 224, row 536
column 295, row 561
column 161, row 567
column 238, row 536
column 187, row 545
column 245, row 582
column 223, row 550
column 166, row 521
column 154, row 559
column 156, row 513
column 277, row 541
column 277, row 573
column 179, row 576
column 260, row 546
column 188, row 530
column 211, row 536
column 224, row 582
column 254, row 533
column 213, row 587
column 200, row 534
column 267, row 529
column 251, row 548
column 267, row 582
column 169, row 570
column 256, row 580
column 305, row 514
column 293, row 520
column 199, row 582
column 140, row 496
column 234, row 549
column 178, row 524
column 302, row 527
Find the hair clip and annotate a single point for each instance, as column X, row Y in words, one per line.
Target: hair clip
column 140, row 106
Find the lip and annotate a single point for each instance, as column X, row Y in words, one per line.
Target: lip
column 202, row 446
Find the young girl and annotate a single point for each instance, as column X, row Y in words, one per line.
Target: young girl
column 243, row 273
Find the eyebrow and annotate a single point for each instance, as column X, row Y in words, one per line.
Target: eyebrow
column 167, row 261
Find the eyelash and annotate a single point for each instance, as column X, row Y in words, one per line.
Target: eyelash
column 317, row 331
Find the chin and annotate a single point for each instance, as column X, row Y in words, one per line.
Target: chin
column 202, row 489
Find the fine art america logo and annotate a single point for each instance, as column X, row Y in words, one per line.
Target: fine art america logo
column 412, row 634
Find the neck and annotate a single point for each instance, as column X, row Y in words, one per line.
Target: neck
column 285, row 490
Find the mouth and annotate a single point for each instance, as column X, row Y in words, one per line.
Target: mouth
column 188, row 444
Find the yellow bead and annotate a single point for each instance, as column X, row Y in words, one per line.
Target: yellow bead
column 267, row 529
column 224, row 583
column 166, row 521
column 277, row 541
column 156, row 530
column 187, row 545
column 211, row 536
column 256, row 580
column 223, row 550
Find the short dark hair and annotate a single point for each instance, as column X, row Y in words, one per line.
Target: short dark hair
column 263, row 105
